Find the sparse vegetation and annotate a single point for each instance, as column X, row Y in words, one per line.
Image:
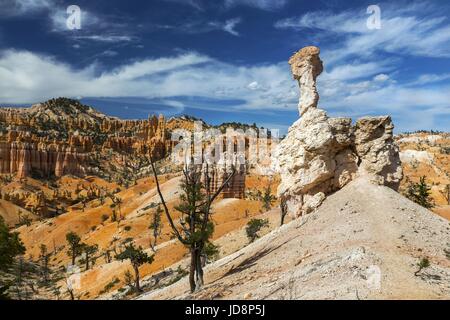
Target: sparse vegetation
column 268, row 198
column 181, row 273
column 156, row 227
column 110, row 285
column 137, row 258
column 423, row 264
column 420, row 193
column 195, row 228
column 253, row 228
column 89, row 251
column 75, row 246
column 44, row 257
column 10, row 246
column 210, row 252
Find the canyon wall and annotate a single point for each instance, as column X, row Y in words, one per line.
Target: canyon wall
column 63, row 137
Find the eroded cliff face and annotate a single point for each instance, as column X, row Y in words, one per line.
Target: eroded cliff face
column 63, row 137
column 320, row 155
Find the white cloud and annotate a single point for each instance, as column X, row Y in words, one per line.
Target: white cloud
column 26, row 77
column 419, row 31
column 105, row 38
column 58, row 17
column 94, row 27
column 260, row 4
column 22, row 7
column 430, row 78
column 230, row 26
column 361, row 65
column 381, row 77
column 200, row 26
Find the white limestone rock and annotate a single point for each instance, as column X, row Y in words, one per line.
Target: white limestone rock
column 321, row 155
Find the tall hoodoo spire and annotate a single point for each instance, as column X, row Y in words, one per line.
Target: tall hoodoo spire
column 320, row 155
column 306, row 66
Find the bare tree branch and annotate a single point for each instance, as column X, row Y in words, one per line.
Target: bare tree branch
column 166, row 209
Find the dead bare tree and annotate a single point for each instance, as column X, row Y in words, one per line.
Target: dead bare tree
column 195, row 227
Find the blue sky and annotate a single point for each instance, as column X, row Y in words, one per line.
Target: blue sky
column 226, row 60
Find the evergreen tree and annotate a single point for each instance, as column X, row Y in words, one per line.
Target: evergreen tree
column 156, row 227
column 75, row 246
column 420, row 193
column 195, row 228
column 137, row 257
column 10, row 246
column 253, row 228
column 89, row 251
column 44, row 257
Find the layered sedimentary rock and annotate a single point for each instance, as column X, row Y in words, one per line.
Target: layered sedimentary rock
column 218, row 174
column 23, row 154
column 62, row 137
column 320, row 155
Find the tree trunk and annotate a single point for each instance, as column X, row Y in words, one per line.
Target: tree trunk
column 137, row 279
column 87, row 262
column 73, row 256
column 282, row 219
column 199, row 270
column 72, row 297
column 192, row 270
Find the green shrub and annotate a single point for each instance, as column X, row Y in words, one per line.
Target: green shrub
column 253, row 228
column 420, row 193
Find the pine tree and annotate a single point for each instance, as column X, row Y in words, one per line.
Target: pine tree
column 420, row 193
column 267, row 198
column 10, row 246
column 89, row 251
column 44, row 256
column 253, row 228
column 75, row 246
column 156, row 227
column 137, row 257
column 195, row 228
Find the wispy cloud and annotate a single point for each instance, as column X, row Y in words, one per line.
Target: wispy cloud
column 200, row 26
column 260, row 4
column 197, row 4
column 362, row 66
column 230, row 26
column 94, row 27
column 23, row 80
column 420, row 31
column 22, row 7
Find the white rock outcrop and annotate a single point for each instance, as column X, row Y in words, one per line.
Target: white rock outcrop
column 306, row 66
column 320, row 155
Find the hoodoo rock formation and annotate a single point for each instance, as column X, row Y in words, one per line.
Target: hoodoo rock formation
column 63, row 137
column 219, row 172
column 320, row 155
column 306, row 66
